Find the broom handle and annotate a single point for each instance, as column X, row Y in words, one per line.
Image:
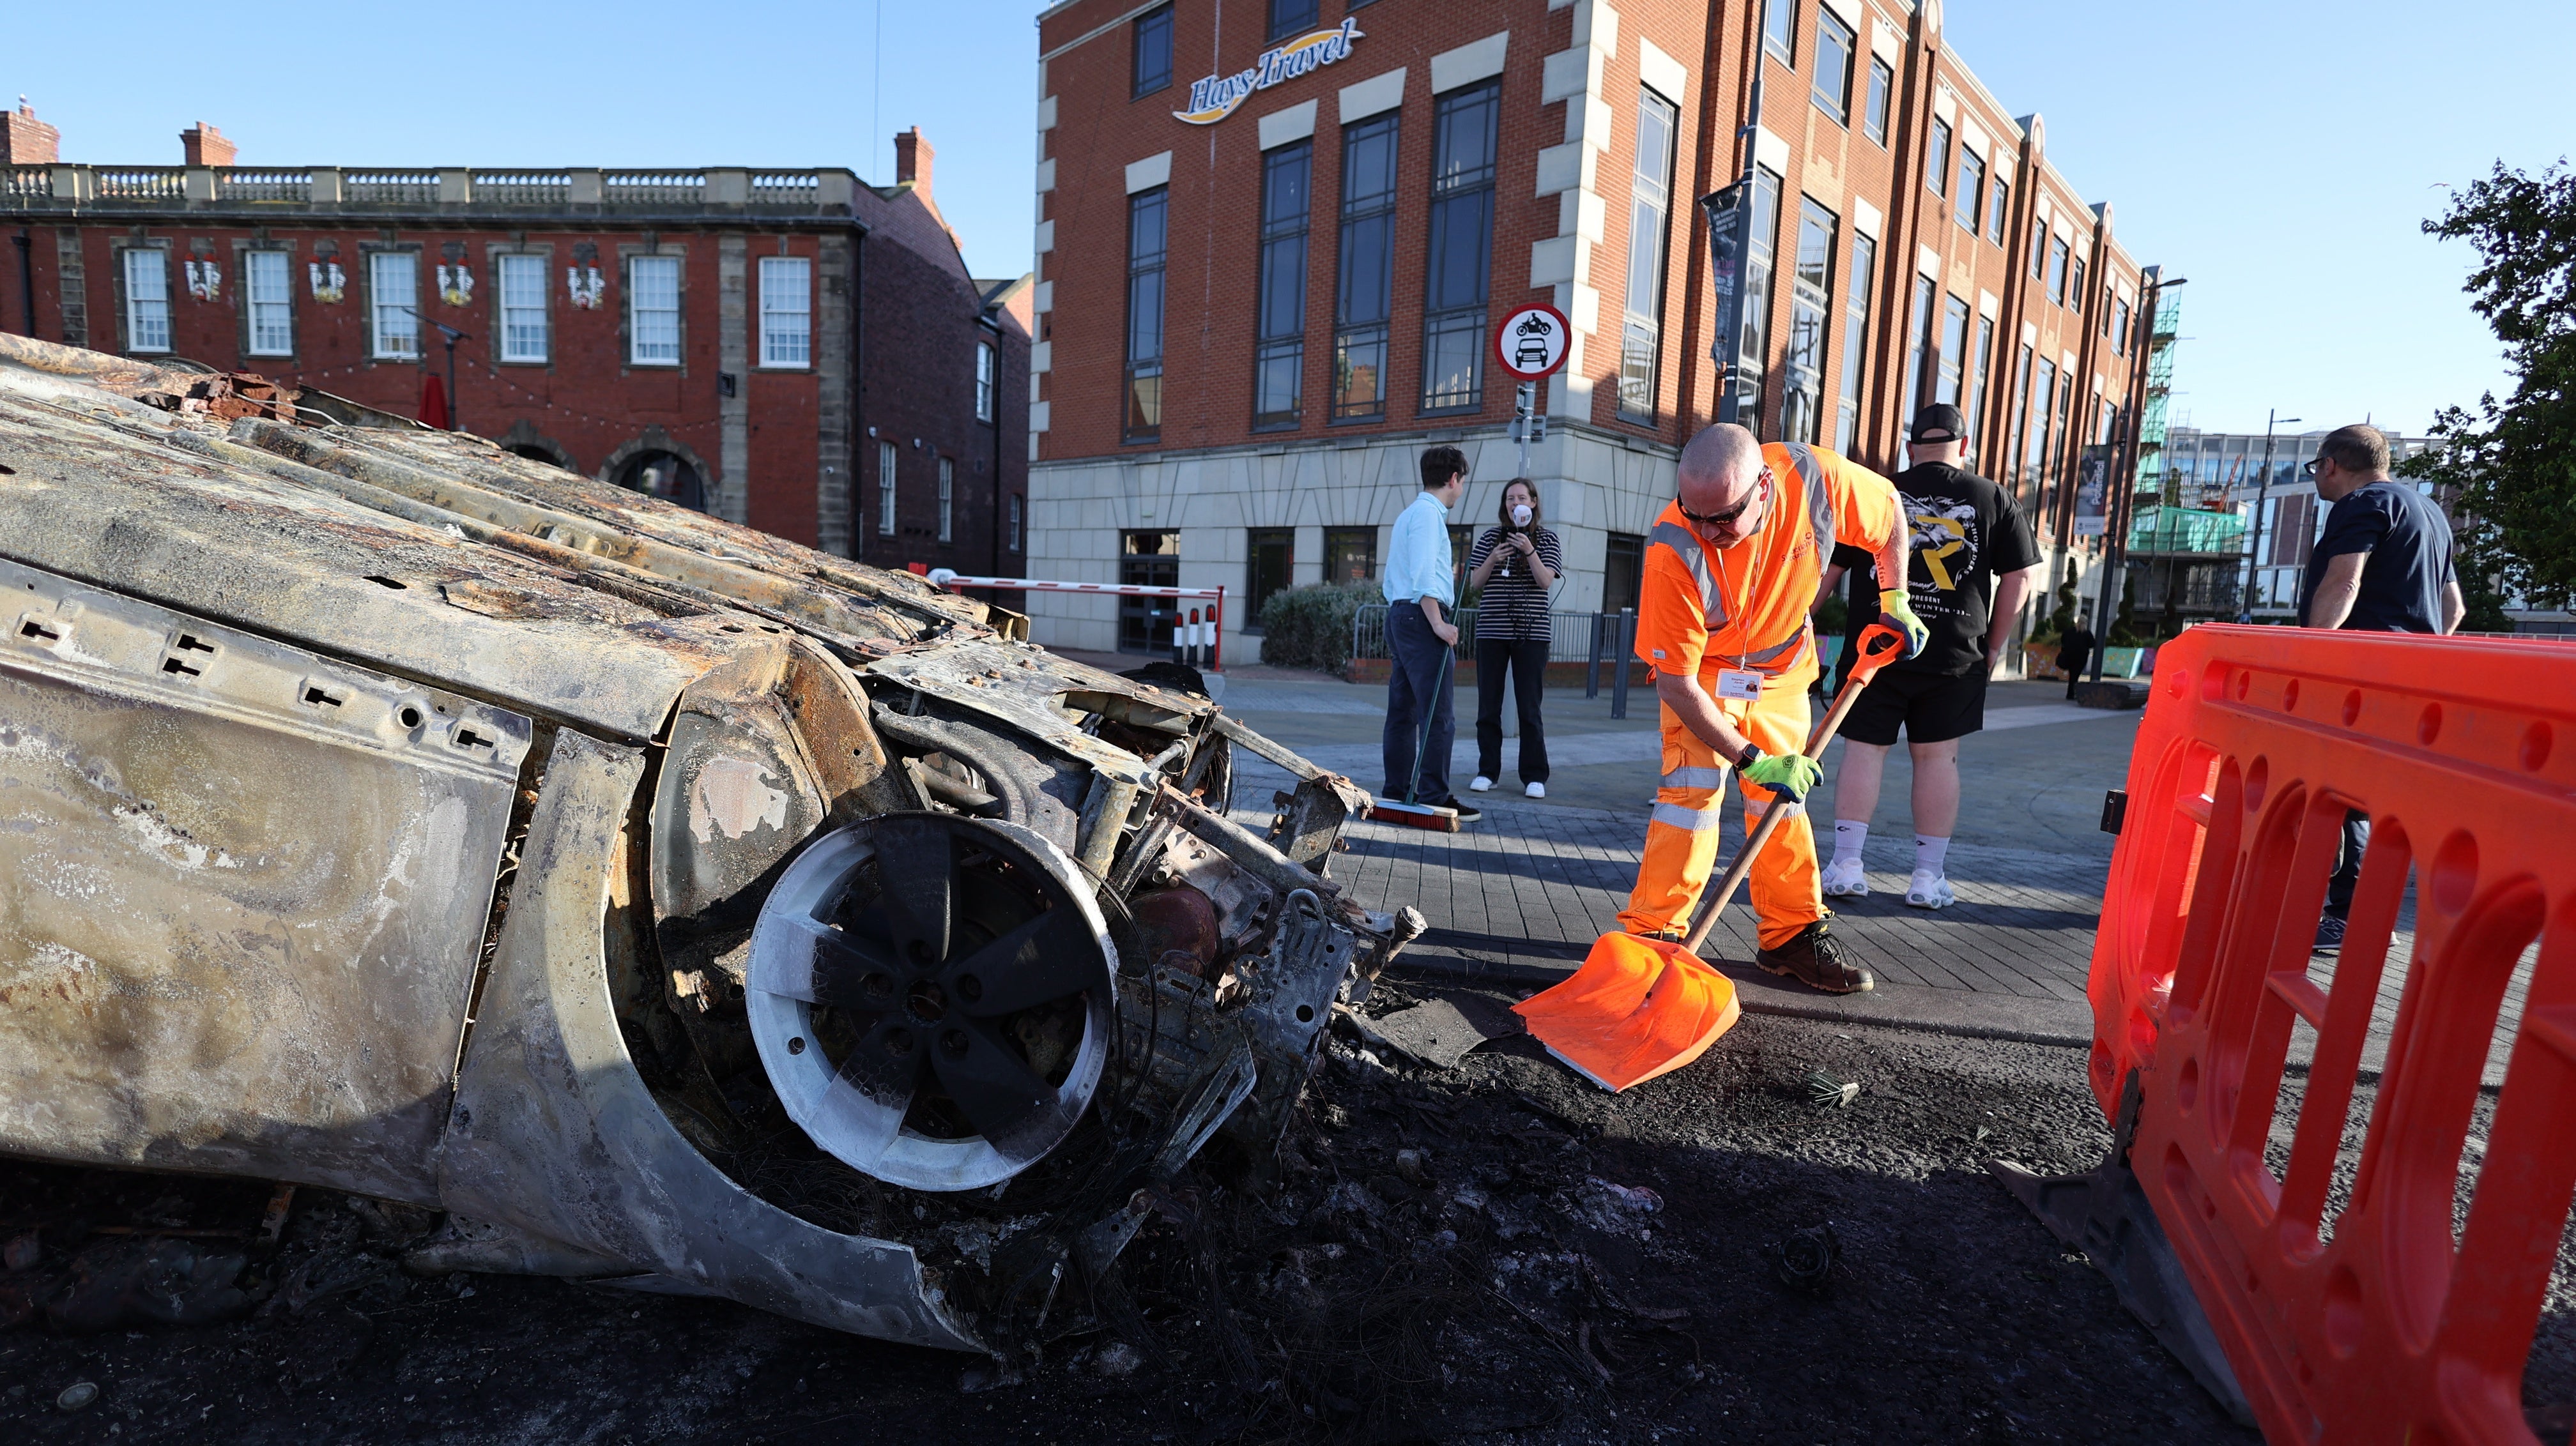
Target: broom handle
column 1865, row 665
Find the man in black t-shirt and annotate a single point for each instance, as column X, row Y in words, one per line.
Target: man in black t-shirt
column 2384, row 565
column 1972, row 562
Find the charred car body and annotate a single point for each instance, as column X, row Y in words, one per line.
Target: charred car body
column 669, row 904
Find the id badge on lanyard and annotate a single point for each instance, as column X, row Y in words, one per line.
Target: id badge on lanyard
column 1739, row 685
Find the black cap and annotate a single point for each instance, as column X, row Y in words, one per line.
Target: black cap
column 1939, row 422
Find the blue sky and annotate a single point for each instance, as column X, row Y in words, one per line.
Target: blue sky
column 2278, row 154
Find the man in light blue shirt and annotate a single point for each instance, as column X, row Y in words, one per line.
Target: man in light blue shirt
column 1421, row 586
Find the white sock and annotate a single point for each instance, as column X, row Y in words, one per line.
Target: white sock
column 1848, row 837
column 1928, row 854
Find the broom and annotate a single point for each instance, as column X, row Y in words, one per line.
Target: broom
column 1405, row 810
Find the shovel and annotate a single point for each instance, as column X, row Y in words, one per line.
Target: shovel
column 1639, row 1008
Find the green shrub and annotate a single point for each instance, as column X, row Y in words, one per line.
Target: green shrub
column 1832, row 615
column 1310, row 627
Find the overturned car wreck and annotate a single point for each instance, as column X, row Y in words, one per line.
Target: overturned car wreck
column 670, row 905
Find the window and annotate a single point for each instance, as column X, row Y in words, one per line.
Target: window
column 2075, row 283
column 1999, row 210
column 1292, row 17
column 947, row 499
column 1873, row 113
column 1753, row 348
column 1147, row 559
column 267, row 285
column 653, row 310
column 2057, row 254
column 393, row 294
column 2039, row 254
column 1148, row 215
column 523, row 308
column 1623, row 569
column 1972, row 190
column 2120, row 327
column 2014, row 478
column 1641, row 343
column 1350, row 554
column 1365, row 296
column 1462, row 541
column 1863, row 269
column 1811, row 303
column 2043, row 410
column 1464, row 130
column 1270, row 556
column 1015, row 533
column 1977, row 380
column 1954, row 352
column 1780, row 30
column 1926, row 295
column 1153, row 52
column 985, row 380
column 147, row 299
column 1936, row 166
column 786, row 311
column 1833, row 66
column 1279, row 348
column 885, row 489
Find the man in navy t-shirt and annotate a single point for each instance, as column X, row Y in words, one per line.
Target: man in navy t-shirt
column 2384, row 565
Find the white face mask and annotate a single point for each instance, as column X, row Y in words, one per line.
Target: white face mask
column 1520, row 514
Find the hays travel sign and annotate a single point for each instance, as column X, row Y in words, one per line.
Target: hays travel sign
column 1219, row 96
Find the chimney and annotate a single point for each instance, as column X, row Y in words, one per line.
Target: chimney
column 912, row 161
column 27, row 141
column 206, row 146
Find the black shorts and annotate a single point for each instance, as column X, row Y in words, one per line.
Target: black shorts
column 1933, row 707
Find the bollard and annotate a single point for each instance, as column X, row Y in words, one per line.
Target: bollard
column 1619, row 663
column 1592, row 669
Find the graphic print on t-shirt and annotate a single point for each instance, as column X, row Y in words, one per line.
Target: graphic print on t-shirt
column 1944, row 537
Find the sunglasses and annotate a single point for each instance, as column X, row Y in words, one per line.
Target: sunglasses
column 2308, row 469
column 1717, row 519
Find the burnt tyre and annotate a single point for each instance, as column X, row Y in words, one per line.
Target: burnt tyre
column 932, row 997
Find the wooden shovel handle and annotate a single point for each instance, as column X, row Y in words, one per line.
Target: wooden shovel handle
column 1868, row 657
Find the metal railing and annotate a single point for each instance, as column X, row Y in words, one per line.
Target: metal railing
column 1601, row 640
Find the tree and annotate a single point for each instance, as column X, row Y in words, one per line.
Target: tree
column 2512, row 465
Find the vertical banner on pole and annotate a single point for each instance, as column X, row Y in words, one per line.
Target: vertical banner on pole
column 2093, row 492
column 1728, row 215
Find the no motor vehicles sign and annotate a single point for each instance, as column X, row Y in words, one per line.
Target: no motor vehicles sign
column 1531, row 342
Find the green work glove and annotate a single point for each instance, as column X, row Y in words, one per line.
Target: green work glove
column 1789, row 773
column 1896, row 610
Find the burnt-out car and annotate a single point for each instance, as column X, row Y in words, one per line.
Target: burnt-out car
column 667, row 904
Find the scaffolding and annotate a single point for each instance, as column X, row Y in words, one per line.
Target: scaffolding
column 2161, row 336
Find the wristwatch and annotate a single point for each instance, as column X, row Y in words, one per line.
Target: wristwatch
column 1751, row 755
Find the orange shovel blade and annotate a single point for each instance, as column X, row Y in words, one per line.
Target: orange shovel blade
column 1636, row 1009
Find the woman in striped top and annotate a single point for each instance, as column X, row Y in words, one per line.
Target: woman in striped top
column 1513, row 566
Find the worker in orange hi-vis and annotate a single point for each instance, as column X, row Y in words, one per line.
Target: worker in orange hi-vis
column 1732, row 568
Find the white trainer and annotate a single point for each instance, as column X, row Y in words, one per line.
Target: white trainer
column 1929, row 891
column 1535, row 790
column 1845, row 883
column 1479, row 784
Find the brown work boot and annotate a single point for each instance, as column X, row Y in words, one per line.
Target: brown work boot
column 1814, row 959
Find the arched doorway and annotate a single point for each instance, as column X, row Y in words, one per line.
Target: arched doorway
column 666, row 475
column 537, row 452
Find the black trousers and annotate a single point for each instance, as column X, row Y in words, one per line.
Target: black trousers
column 2073, row 663
column 1420, row 728
column 2356, row 840
column 1528, row 664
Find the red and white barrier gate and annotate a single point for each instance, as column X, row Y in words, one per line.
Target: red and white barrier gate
column 1198, row 634
column 2376, row 1321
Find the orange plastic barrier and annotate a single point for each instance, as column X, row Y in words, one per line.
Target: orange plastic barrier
column 2378, row 1323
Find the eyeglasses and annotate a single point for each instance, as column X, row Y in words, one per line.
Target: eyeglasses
column 1761, row 488
column 2308, row 469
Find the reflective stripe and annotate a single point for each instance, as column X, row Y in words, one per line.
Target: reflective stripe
column 1695, row 778
column 1695, row 820
column 1820, row 508
column 1685, row 546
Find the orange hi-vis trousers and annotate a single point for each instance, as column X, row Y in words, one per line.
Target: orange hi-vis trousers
column 1682, row 833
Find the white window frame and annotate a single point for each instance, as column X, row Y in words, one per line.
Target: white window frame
column 987, row 377
column 383, row 342
column 656, row 344
column 887, row 454
column 270, row 315
column 947, row 499
column 144, row 264
column 520, row 282
column 786, row 312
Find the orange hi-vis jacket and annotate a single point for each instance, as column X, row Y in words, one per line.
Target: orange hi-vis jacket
column 1703, row 609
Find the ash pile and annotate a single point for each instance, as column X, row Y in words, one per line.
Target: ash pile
column 627, row 895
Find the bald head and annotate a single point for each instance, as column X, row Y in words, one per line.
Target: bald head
column 1718, row 466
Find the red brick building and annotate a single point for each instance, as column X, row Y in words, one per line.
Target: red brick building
column 1263, row 291
column 794, row 349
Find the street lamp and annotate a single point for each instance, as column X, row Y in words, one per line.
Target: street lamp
column 455, row 412
column 2254, row 529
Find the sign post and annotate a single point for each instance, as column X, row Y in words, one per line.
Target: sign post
column 1531, row 343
